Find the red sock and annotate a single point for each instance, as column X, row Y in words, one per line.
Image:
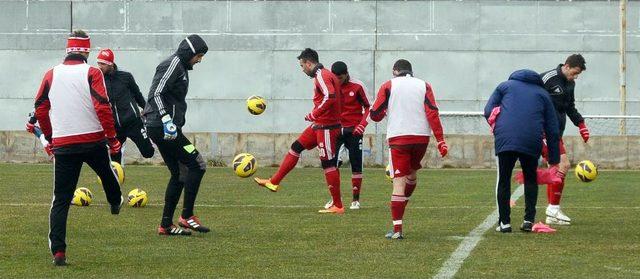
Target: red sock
column 332, row 176
column 288, row 163
column 398, row 203
column 409, row 187
column 356, row 182
column 554, row 193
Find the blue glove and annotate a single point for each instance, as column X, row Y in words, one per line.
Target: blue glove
column 170, row 129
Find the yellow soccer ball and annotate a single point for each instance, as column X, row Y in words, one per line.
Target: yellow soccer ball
column 137, row 198
column 82, row 197
column 117, row 168
column 244, row 165
column 256, row 105
column 387, row 172
column 586, row 171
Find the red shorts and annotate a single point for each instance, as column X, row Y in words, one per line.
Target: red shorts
column 404, row 159
column 324, row 139
column 545, row 149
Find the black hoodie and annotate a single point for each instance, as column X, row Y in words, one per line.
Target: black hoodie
column 125, row 97
column 171, row 83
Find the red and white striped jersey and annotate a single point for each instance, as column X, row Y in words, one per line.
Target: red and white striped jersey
column 326, row 99
column 72, row 105
column 411, row 109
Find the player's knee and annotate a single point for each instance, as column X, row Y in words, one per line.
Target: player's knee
column 297, row 147
column 328, row 164
column 564, row 166
column 200, row 166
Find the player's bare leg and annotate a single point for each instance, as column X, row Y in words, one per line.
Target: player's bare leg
column 554, row 193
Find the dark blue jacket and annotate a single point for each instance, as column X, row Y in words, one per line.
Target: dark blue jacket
column 526, row 112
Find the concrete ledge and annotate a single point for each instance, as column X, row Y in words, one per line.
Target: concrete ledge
column 466, row 151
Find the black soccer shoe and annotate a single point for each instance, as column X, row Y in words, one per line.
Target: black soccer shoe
column 527, row 226
column 59, row 259
column 115, row 209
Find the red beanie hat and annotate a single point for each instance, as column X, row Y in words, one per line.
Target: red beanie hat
column 78, row 44
column 106, row 56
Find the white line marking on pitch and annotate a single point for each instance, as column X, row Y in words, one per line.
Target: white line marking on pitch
column 453, row 264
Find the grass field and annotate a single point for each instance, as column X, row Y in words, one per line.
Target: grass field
column 259, row 234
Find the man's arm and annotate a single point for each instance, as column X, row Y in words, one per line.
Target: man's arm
column 433, row 115
column 572, row 112
column 379, row 109
column 364, row 102
column 135, row 90
column 494, row 101
column 162, row 80
column 43, row 105
column 329, row 91
column 551, row 130
column 101, row 102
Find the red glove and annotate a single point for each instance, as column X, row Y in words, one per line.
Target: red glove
column 359, row 130
column 492, row 118
column 30, row 127
column 443, row 148
column 584, row 132
column 49, row 150
column 309, row 117
column 114, row 145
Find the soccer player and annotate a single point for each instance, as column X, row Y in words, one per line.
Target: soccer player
column 164, row 117
column 72, row 108
column 354, row 114
column 125, row 97
column 519, row 111
column 560, row 84
column 412, row 113
column 322, row 133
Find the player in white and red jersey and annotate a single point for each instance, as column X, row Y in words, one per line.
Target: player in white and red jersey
column 74, row 113
column 353, row 118
column 412, row 118
column 322, row 133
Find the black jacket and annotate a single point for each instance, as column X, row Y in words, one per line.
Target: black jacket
column 171, row 83
column 125, row 97
column 561, row 91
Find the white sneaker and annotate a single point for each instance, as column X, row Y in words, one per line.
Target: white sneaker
column 355, row 205
column 328, row 205
column 556, row 216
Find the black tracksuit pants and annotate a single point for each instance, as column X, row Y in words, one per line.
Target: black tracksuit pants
column 506, row 163
column 67, row 166
column 138, row 134
column 353, row 143
column 178, row 154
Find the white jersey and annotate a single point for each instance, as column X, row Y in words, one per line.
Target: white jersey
column 406, row 112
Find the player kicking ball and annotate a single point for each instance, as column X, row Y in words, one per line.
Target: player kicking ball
column 354, row 113
column 412, row 113
column 322, row 133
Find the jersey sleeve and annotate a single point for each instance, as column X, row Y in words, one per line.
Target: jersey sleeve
column 379, row 108
column 135, row 91
column 433, row 114
column 101, row 101
column 162, row 81
column 572, row 112
column 364, row 102
column 326, row 85
column 42, row 105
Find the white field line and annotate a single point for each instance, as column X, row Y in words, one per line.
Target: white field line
column 453, row 264
column 316, row 206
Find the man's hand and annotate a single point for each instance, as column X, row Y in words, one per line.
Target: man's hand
column 584, row 132
column 30, row 127
column 170, row 129
column 310, row 117
column 359, row 130
column 49, row 150
column 114, row 145
column 443, row 148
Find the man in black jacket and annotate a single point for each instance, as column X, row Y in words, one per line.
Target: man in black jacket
column 560, row 83
column 123, row 91
column 164, row 118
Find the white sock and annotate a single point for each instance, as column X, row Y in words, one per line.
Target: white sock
column 554, row 207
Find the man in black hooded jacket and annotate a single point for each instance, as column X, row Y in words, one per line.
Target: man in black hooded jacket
column 125, row 97
column 164, row 118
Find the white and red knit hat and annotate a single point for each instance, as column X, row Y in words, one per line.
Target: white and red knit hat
column 78, row 44
column 106, row 56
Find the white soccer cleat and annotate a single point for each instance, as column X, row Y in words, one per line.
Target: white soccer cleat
column 555, row 216
column 328, row 205
column 355, row 205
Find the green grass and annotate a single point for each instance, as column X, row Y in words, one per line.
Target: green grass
column 252, row 238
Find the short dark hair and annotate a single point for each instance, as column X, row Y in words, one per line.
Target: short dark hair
column 308, row 55
column 78, row 33
column 402, row 65
column 339, row 68
column 576, row 60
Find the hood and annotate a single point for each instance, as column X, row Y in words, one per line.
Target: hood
column 189, row 47
column 528, row 76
